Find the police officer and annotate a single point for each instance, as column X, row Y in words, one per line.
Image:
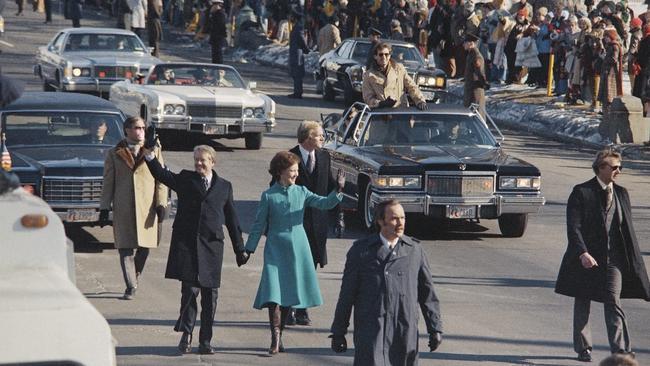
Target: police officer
column 475, row 81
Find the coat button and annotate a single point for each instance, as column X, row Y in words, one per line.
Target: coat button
column 386, row 273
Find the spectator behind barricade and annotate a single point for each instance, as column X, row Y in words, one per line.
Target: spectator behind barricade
column 421, row 31
column 282, row 36
column 580, row 81
column 636, row 34
column 612, row 69
column 641, row 89
column 608, row 11
column 527, row 55
column 542, row 31
column 329, row 37
column 405, row 14
column 569, row 40
column 517, row 32
column 396, row 31
column 522, row 4
column 499, row 60
column 385, row 81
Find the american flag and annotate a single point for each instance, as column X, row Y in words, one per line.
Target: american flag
column 5, row 161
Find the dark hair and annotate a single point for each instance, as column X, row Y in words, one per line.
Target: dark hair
column 282, row 161
column 380, row 46
column 619, row 360
column 380, row 210
column 129, row 122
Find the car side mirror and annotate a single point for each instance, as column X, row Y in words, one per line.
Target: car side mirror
column 252, row 85
column 54, row 48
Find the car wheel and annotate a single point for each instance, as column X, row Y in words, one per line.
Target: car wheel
column 253, row 140
column 367, row 209
column 328, row 92
column 513, row 225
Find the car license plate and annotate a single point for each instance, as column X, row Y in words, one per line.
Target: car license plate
column 215, row 130
column 82, row 214
column 428, row 95
column 461, row 212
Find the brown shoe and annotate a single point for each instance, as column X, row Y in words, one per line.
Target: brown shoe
column 275, row 321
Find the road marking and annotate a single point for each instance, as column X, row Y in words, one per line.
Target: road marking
column 6, row 44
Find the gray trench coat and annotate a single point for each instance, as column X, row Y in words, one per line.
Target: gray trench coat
column 387, row 291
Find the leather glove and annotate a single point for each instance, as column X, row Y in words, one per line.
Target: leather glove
column 389, row 102
column 150, row 138
column 161, row 213
column 103, row 218
column 340, row 180
column 242, row 258
column 422, row 106
column 435, row 339
column 339, row 344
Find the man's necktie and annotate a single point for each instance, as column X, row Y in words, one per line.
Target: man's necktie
column 206, row 184
column 311, row 162
column 610, row 197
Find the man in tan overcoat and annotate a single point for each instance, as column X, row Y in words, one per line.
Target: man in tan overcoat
column 329, row 37
column 475, row 80
column 385, row 81
column 138, row 202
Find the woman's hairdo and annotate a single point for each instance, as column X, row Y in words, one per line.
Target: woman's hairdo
column 282, row 161
column 205, row 149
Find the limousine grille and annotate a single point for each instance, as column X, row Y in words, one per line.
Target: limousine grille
column 83, row 190
column 460, row 186
column 115, row 71
column 214, row 111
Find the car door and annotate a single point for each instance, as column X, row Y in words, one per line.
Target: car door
column 50, row 56
column 334, row 65
column 343, row 149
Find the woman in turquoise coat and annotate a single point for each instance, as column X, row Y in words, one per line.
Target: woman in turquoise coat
column 288, row 275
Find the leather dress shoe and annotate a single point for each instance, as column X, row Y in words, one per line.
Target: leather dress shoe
column 585, row 355
column 185, row 345
column 291, row 318
column 206, row 349
column 129, row 293
column 303, row 319
column 629, row 354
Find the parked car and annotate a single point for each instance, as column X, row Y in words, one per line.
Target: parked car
column 193, row 98
column 90, row 60
column 50, row 320
column 444, row 163
column 342, row 68
column 57, row 143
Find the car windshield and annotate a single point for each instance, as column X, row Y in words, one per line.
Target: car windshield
column 62, row 128
column 195, row 75
column 400, row 53
column 103, row 42
column 426, row 129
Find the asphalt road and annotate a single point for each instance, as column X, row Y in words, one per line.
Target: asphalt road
column 497, row 297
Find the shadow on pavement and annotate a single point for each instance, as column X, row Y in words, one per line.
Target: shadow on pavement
column 503, row 282
column 103, row 295
column 506, row 359
column 85, row 242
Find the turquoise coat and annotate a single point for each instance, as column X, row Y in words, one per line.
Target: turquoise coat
column 288, row 274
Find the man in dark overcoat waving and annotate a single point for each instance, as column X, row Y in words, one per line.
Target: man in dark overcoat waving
column 205, row 204
column 387, row 281
column 602, row 262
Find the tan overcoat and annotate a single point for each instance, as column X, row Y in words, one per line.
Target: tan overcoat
column 377, row 86
column 133, row 194
column 329, row 38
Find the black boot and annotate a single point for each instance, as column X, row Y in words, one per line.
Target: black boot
column 185, row 345
column 275, row 323
column 284, row 313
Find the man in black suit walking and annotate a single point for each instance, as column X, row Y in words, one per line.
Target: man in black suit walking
column 602, row 262
column 205, row 204
column 314, row 172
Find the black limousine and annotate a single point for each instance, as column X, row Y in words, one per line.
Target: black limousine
column 444, row 163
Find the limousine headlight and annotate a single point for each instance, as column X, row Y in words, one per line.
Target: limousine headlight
column 175, row 109
column 80, row 71
column 386, row 181
column 520, row 183
column 436, row 81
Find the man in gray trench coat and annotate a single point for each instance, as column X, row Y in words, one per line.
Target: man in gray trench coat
column 386, row 279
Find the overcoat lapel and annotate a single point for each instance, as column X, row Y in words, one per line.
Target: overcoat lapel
column 122, row 150
column 403, row 251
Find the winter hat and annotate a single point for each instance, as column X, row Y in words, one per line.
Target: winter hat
column 636, row 23
column 564, row 14
column 581, row 13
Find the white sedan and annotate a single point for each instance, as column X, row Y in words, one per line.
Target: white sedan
column 183, row 98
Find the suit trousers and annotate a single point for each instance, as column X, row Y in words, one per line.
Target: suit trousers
column 297, row 86
column 617, row 331
column 217, row 51
column 132, row 262
column 187, row 318
column 48, row 10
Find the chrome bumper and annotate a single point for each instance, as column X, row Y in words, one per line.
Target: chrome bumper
column 214, row 126
column 89, row 85
column 504, row 203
